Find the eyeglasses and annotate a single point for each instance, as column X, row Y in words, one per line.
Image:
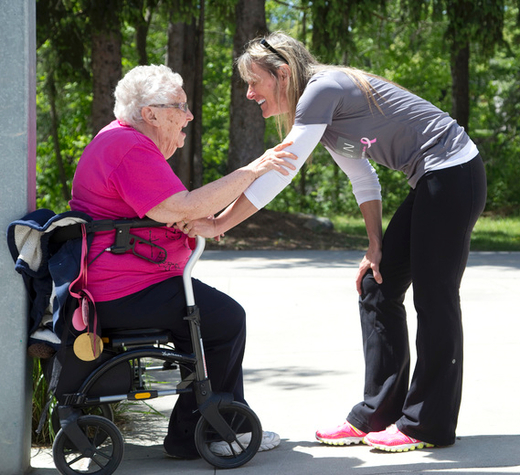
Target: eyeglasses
column 183, row 106
column 266, row 45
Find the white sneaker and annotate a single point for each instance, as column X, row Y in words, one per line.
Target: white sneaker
column 270, row 440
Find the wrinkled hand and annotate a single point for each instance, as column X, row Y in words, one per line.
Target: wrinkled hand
column 370, row 261
column 205, row 227
column 274, row 159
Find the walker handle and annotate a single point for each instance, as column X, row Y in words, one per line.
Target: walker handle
column 186, row 275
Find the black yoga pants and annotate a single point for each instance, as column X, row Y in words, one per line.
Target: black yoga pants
column 427, row 245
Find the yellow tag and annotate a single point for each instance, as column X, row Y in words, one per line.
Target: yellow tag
column 143, row 396
column 88, row 346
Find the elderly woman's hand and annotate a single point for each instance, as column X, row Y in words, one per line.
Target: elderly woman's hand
column 273, row 159
column 205, row 227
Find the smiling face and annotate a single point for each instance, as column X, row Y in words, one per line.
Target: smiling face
column 267, row 91
column 167, row 123
column 172, row 121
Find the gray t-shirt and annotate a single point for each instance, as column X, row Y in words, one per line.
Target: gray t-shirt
column 408, row 133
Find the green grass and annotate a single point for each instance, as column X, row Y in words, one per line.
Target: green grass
column 40, row 397
column 494, row 233
column 491, row 233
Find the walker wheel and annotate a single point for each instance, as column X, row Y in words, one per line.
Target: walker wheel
column 222, row 454
column 105, row 451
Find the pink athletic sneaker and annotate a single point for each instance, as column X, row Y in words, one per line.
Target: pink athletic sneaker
column 393, row 440
column 344, row 434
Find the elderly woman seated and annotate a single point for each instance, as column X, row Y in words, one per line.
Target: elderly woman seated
column 124, row 173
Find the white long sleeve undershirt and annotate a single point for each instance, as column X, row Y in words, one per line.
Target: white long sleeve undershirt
column 365, row 184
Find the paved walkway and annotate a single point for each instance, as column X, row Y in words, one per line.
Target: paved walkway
column 304, row 369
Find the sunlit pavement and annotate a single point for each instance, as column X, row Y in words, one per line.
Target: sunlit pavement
column 304, row 369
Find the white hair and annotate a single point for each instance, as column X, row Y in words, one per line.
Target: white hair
column 143, row 86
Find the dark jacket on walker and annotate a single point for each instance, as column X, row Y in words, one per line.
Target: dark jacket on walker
column 47, row 268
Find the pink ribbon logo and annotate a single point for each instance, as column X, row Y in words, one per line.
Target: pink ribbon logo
column 367, row 144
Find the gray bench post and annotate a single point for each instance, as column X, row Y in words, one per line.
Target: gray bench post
column 17, row 196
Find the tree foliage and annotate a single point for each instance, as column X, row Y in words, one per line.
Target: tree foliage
column 333, row 23
column 408, row 41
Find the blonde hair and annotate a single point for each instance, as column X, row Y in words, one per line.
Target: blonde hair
column 282, row 49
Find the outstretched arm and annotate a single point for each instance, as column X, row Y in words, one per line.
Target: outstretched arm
column 303, row 140
column 212, row 227
column 213, row 197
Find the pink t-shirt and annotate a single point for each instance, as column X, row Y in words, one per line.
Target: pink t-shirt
column 122, row 174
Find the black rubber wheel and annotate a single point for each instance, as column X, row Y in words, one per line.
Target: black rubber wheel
column 241, row 419
column 103, row 410
column 106, row 444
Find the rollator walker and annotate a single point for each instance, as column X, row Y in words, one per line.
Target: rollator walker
column 87, row 439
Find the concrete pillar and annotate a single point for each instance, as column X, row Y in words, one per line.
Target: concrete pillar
column 17, row 196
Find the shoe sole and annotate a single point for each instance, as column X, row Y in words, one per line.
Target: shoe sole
column 266, row 447
column 400, row 448
column 225, row 451
column 343, row 441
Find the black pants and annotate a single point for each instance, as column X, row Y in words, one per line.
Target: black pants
column 427, row 245
column 223, row 330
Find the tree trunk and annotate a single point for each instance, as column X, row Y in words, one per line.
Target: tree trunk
column 247, row 126
column 185, row 57
column 460, row 84
column 106, row 61
column 141, row 33
column 196, row 139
